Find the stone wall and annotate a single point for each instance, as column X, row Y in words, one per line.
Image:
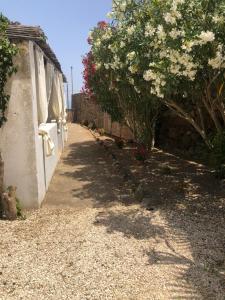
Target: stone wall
column 172, row 132
column 176, row 134
column 89, row 111
column 70, row 115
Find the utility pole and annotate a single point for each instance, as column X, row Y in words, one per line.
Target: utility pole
column 67, row 96
column 71, row 84
column 72, row 79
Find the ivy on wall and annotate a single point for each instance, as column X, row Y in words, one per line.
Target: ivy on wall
column 7, row 52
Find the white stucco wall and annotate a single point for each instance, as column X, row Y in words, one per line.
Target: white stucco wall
column 26, row 165
column 50, row 162
column 17, row 137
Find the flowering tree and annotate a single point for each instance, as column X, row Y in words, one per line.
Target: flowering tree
column 170, row 53
column 113, row 84
column 182, row 53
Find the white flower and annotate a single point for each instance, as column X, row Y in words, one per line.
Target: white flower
column 206, row 36
column 188, row 46
column 161, row 33
column 149, row 75
column 218, row 62
column 175, row 33
column 98, row 43
column 106, row 66
column 107, row 35
column 98, row 66
column 169, row 18
column 110, row 15
column 176, row 2
column 131, row 30
column 133, row 69
column 149, row 30
column 131, row 80
column 218, row 19
column 122, row 44
column 131, row 55
column 112, row 48
column 123, row 6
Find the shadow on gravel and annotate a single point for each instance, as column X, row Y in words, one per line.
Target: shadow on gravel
column 187, row 196
column 132, row 223
column 94, row 169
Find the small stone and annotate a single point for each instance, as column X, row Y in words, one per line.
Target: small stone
column 139, row 193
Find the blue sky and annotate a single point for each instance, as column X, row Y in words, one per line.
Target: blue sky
column 66, row 24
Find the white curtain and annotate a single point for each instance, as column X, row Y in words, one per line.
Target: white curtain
column 63, row 98
column 56, row 100
column 42, row 103
column 49, row 74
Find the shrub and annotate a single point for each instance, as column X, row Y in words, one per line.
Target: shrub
column 101, row 131
column 119, row 143
column 217, row 154
column 141, row 153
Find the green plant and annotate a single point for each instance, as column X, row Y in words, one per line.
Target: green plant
column 101, row 131
column 160, row 52
column 7, row 68
column 217, row 154
column 119, row 143
column 19, row 210
column 85, row 123
column 141, row 153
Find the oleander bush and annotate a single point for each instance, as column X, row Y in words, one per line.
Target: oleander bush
column 158, row 53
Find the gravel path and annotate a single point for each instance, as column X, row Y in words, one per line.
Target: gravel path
column 84, row 244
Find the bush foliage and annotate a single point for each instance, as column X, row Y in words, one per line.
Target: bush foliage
column 161, row 53
column 7, row 52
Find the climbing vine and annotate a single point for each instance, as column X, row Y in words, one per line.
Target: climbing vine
column 7, row 52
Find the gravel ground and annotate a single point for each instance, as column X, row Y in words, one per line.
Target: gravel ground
column 91, row 246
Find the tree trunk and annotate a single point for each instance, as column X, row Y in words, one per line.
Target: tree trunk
column 186, row 116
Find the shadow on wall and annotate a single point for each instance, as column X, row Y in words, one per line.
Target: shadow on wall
column 187, row 198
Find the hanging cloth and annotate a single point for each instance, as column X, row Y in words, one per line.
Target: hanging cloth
column 49, row 75
column 49, row 145
column 56, row 105
column 42, row 104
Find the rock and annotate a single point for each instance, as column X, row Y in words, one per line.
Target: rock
column 9, row 204
column 139, row 193
column 147, row 204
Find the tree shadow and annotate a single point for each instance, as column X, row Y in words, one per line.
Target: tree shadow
column 92, row 170
column 185, row 194
column 133, row 223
